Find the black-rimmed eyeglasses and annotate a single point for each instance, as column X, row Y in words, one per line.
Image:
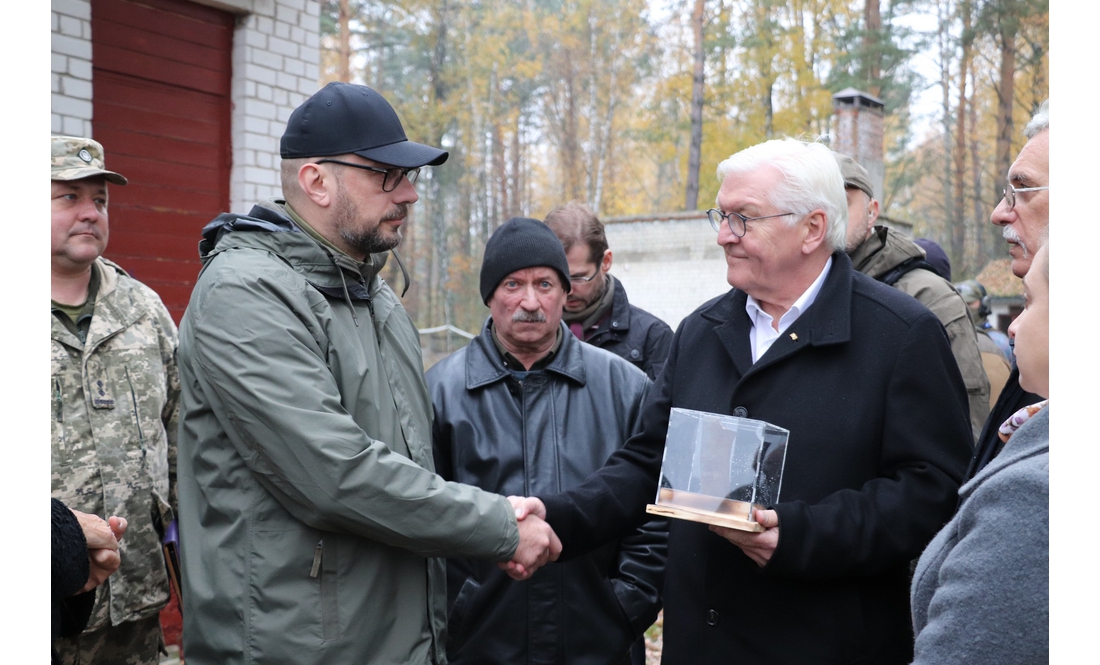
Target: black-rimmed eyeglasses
column 392, row 175
column 716, row 218
column 1010, row 193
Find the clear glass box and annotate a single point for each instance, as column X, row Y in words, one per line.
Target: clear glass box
column 717, row 469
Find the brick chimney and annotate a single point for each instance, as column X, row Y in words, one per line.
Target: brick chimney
column 858, row 132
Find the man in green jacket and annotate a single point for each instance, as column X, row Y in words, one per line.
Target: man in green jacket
column 311, row 520
column 115, row 392
column 894, row 259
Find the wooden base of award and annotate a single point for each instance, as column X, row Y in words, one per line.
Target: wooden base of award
column 701, row 508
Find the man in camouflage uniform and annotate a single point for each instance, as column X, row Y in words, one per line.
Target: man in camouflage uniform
column 115, row 390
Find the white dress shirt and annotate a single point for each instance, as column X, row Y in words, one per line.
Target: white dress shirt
column 763, row 334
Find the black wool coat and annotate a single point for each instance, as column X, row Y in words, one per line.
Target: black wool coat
column 880, row 438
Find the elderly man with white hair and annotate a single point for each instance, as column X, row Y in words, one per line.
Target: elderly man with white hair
column 863, row 378
column 1023, row 214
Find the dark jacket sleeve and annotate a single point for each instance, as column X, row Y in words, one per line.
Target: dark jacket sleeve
column 640, row 572
column 69, row 572
column 925, row 444
column 611, row 502
column 657, row 343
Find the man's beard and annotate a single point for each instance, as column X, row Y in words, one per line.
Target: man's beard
column 370, row 241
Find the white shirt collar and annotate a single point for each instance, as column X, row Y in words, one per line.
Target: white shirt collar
column 762, row 334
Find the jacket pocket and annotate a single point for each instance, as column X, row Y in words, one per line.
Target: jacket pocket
column 456, row 618
column 324, row 569
column 288, row 603
column 62, row 453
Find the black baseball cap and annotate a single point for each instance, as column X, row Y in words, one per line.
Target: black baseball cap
column 343, row 118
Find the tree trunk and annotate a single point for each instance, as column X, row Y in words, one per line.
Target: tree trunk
column 433, row 206
column 570, row 145
column 981, row 214
column 519, row 181
column 958, row 218
column 944, row 39
column 1005, row 90
column 872, row 46
column 691, row 198
column 343, row 18
column 769, row 110
column 593, row 111
column 604, row 148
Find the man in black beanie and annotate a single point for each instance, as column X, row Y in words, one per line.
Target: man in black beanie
column 527, row 406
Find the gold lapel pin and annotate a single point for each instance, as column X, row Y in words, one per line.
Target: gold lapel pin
column 794, row 337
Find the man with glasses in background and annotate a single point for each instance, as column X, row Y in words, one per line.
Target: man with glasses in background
column 597, row 310
column 1024, row 217
column 863, row 378
column 312, row 523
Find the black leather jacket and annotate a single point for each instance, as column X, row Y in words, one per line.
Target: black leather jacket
column 543, row 434
column 633, row 334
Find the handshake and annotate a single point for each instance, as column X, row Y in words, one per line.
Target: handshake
column 538, row 543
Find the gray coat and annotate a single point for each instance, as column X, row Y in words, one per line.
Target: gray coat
column 981, row 589
column 310, row 515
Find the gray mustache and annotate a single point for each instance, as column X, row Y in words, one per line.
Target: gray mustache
column 523, row 316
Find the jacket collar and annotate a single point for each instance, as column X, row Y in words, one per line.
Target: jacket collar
column 620, row 308
column 883, row 251
column 826, row 321
column 1033, row 438
column 267, row 226
column 109, row 317
column 484, row 365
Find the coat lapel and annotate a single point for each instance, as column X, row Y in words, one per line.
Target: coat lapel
column 732, row 327
column 827, row 321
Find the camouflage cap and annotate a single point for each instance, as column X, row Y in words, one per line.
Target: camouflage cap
column 854, row 174
column 73, row 158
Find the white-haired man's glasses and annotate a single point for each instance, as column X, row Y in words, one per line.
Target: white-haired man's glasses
column 1010, row 193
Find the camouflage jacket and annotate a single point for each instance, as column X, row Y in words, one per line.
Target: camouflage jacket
column 113, row 445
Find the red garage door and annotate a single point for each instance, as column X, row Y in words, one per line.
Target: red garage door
column 161, row 76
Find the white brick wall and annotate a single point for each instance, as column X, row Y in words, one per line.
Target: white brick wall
column 276, row 65
column 275, row 68
column 667, row 266
column 71, row 67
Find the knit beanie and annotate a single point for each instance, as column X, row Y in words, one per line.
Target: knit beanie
column 520, row 243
